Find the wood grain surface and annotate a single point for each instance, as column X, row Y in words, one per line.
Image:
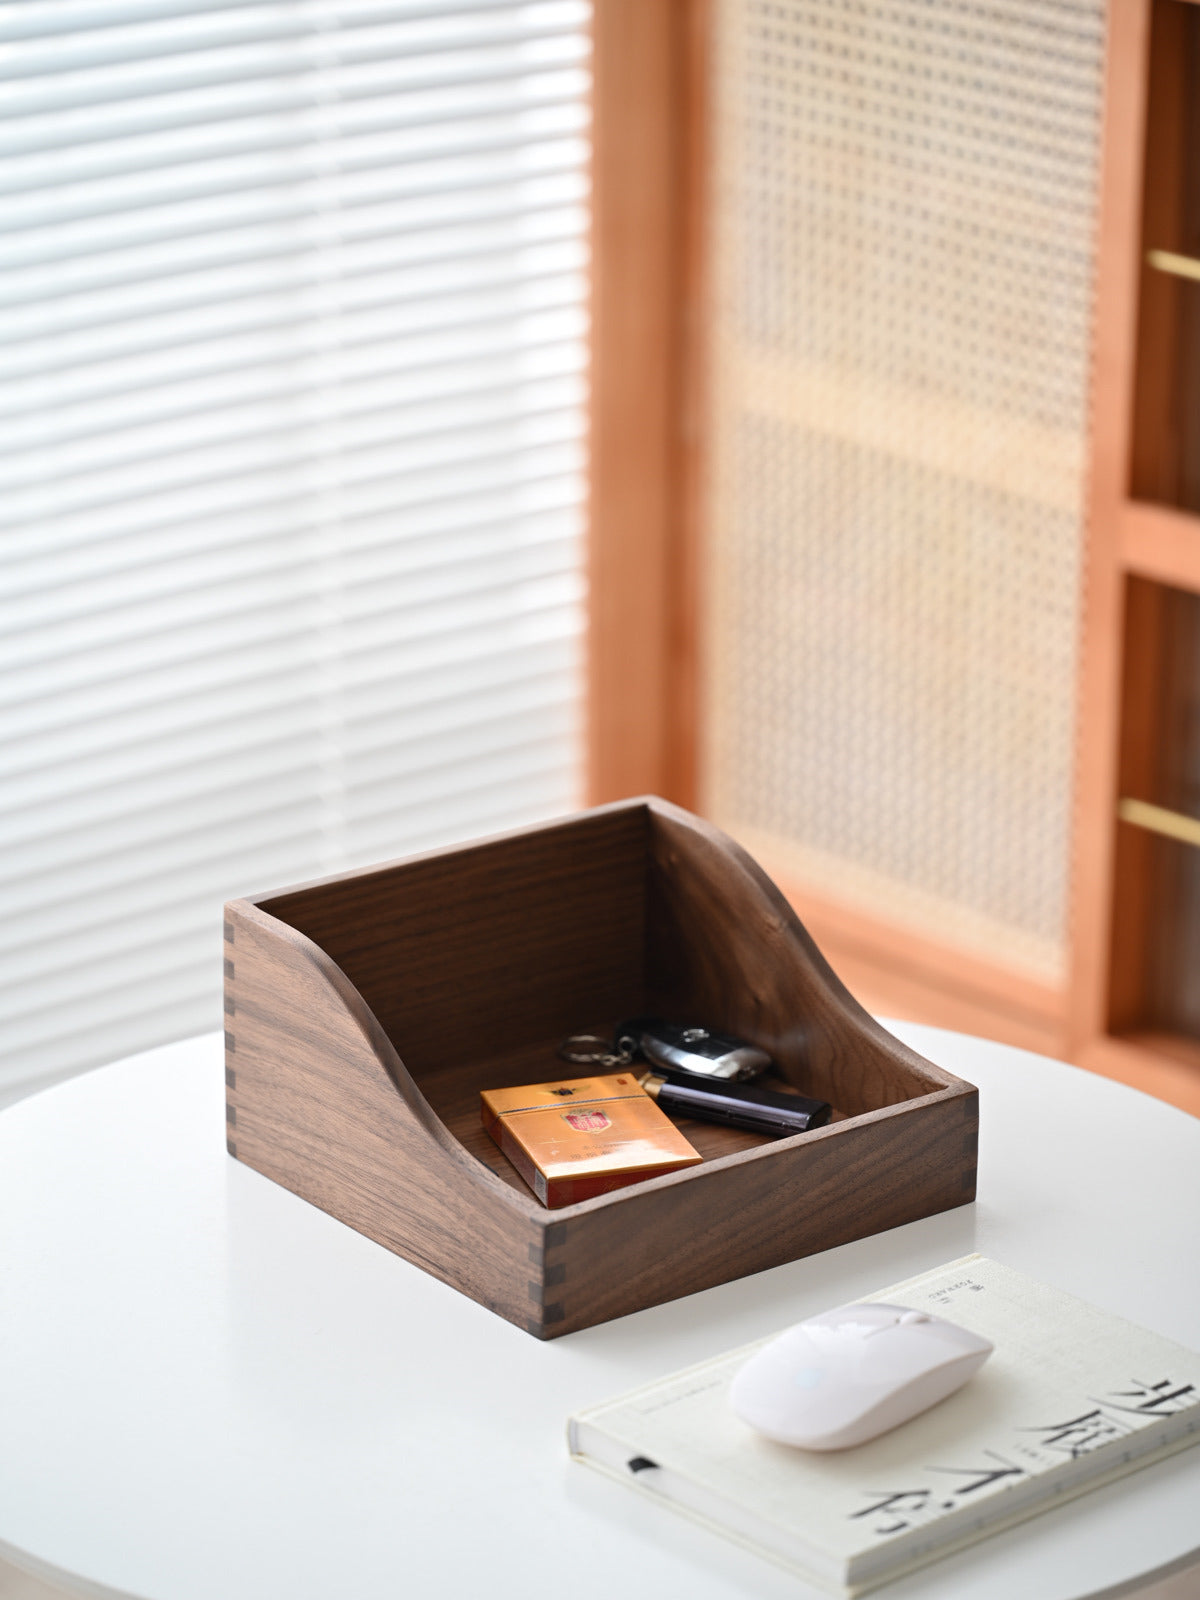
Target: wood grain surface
column 634, row 346
column 1114, row 355
column 365, row 1014
column 650, row 176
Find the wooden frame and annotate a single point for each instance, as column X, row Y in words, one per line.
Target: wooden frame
column 1100, row 651
column 648, row 174
column 647, row 499
column 1134, row 548
column 647, row 495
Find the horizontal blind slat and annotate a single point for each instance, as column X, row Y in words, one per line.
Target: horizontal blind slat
column 405, row 597
column 234, row 854
column 439, row 525
column 348, row 379
column 389, row 406
column 216, row 612
column 429, row 746
column 270, row 501
column 180, row 797
column 446, row 538
column 374, row 271
column 169, row 31
column 50, row 17
column 364, row 174
column 117, row 743
column 288, row 462
column 368, row 276
column 375, row 204
column 198, row 152
column 106, row 130
column 223, row 72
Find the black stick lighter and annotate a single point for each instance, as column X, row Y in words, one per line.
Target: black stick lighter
column 736, row 1105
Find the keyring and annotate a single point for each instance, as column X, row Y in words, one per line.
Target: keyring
column 590, row 1050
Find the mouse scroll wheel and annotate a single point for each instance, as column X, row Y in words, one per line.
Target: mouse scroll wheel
column 910, row 1317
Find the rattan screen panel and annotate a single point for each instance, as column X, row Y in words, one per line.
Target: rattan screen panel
column 904, row 218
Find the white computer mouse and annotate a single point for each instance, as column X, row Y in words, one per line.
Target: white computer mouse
column 843, row 1377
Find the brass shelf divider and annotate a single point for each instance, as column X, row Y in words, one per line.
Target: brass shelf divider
column 1158, row 819
column 1178, row 266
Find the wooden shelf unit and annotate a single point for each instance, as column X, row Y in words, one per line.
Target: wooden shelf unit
column 649, row 492
column 1135, row 1012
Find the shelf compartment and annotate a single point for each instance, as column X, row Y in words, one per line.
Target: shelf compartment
column 1165, row 463
column 1154, row 978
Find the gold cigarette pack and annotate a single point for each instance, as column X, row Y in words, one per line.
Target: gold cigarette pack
column 586, row 1136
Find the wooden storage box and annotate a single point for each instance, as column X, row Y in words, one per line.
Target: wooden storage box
column 366, row 1012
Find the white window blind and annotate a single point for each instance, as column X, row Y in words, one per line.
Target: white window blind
column 292, row 339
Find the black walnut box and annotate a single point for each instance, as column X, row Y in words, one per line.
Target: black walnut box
column 366, row 1012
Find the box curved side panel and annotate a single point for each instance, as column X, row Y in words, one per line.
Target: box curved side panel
column 724, row 945
column 319, row 1101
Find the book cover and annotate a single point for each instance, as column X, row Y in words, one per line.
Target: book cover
column 1071, row 1398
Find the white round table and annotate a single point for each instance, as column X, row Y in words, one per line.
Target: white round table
column 210, row 1390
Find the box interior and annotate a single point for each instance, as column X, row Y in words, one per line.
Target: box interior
column 478, row 962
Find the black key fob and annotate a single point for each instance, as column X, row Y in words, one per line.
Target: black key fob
column 697, row 1050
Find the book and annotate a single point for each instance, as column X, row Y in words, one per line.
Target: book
column 1071, row 1398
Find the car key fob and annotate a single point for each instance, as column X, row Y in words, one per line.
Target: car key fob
column 697, row 1050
